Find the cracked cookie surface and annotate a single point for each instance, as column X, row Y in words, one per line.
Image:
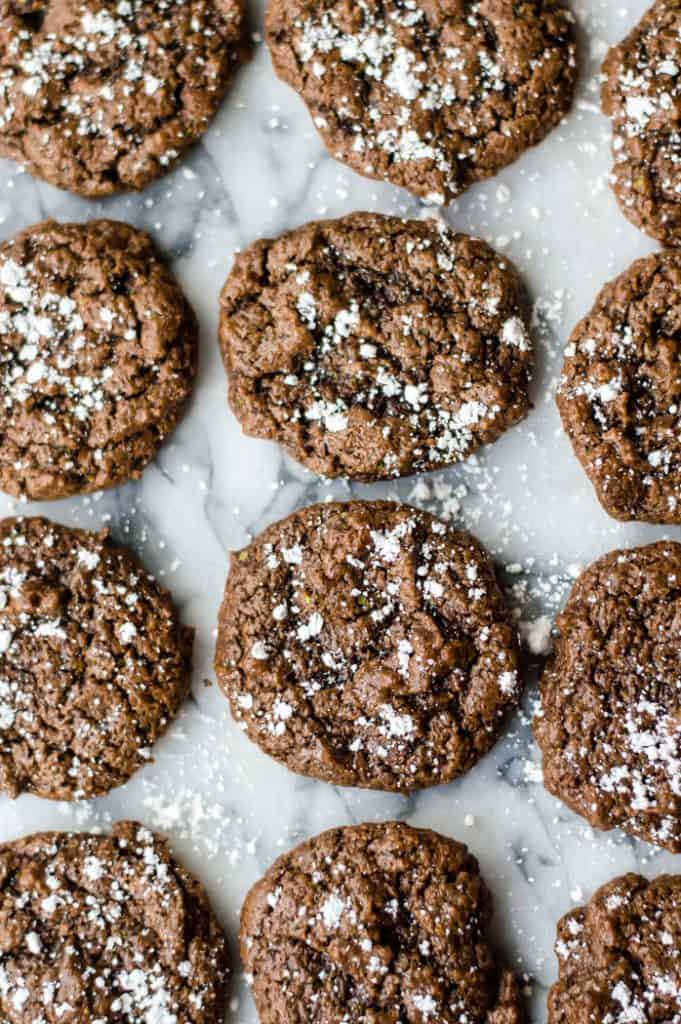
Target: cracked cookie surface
column 377, row 922
column 372, row 347
column 98, row 350
column 620, row 955
column 93, row 661
column 367, row 644
column 101, row 97
column 426, row 95
column 620, row 392
column 107, row 929
column 610, row 720
column 641, row 93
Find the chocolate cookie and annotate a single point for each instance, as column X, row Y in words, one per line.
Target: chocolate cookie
column 372, row 347
column 619, row 957
column 101, row 96
column 98, row 354
column 610, row 720
column 367, row 644
column 106, row 930
column 430, row 96
column 93, row 661
column 372, row 923
column 641, row 93
column 620, row 393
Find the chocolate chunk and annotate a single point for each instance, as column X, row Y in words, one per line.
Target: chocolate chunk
column 430, row 96
column 619, row 955
column 101, row 96
column 371, row 923
column 610, row 721
column 372, row 347
column 641, row 93
column 93, row 661
column 620, row 393
column 98, row 354
column 367, row 644
column 106, row 930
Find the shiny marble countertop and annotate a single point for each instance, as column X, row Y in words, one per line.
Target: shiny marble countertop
column 227, row 808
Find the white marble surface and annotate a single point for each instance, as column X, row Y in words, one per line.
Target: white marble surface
column 227, row 808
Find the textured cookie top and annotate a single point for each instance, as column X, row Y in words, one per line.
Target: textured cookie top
column 610, row 721
column 620, row 956
column 427, row 95
column 378, row 922
column 97, row 357
column 372, row 347
column 620, row 393
column 367, row 644
column 642, row 94
column 99, row 96
column 93, row 662
column 106, row 930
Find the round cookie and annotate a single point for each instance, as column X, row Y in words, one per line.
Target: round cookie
column 372, row 347
column 429, row 96
column 619, row 956
column 101, row 929
column 620, row 392
column 102, row 96
column 93, row 661
column 641, row 93
column 98, row 351
column 378, row 922
column 367, row 644
column 610, row 720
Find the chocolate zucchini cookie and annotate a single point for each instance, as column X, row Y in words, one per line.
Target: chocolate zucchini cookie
column 101, row 96
column 367, row 644
column 620, row 392
column 93, row 661
column 370, row 923
column 430, row 96
column 98, row 351
column 610, row 720
column 641, row 94
column 619, row 955
column 101, row 929
column 372, row 347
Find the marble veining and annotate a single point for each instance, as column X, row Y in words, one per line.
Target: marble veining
column 227, row 808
